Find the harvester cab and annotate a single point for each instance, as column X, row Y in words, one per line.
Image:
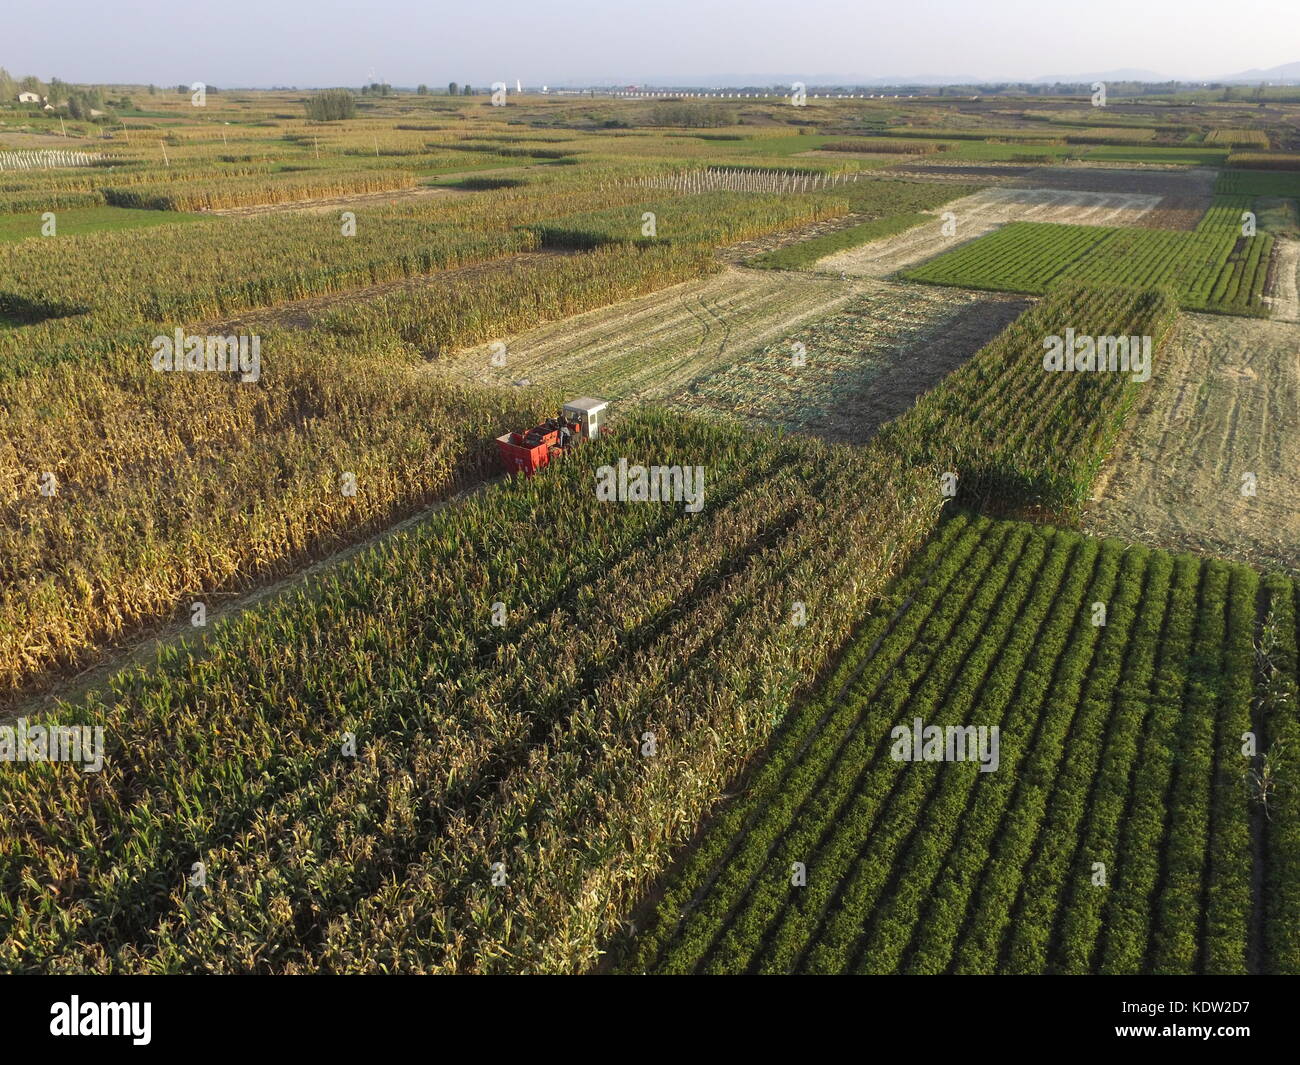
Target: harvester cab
column 528, row 452
column 586, row 412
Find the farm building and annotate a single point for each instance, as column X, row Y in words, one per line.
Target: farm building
column 28, row 98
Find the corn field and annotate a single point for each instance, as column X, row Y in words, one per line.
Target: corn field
column 480, row 748
column 772, row 182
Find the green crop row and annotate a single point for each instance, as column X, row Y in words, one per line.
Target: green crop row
column 1257, row 183
column 1018, row 257
column 1277, row 780
column 828, row 722
column 1214, row 268
column 1024, row 437
column 1114, row 834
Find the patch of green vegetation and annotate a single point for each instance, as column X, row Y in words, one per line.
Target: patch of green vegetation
column 780, row 147
column 449, row 174
column 1258, row 183
column 805, row 254
column 1278, row 215
column 69, row 223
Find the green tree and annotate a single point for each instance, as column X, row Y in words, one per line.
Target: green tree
column 452, row 88
column 331, row 105
column 422, row 90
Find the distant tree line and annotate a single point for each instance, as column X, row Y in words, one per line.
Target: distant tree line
column 692, row 114
column 83, row 102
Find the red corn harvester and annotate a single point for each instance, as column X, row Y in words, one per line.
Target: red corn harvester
column 528, row 452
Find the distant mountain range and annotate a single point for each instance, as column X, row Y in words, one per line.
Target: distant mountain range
column 1288, row 72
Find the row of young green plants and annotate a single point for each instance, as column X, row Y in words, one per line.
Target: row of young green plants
column 1214, row 268
column 1025, row 438
column 874, row 851
column 1277, row 771
column 476, row 744
column 823, row 930
column 1012, row 684
column 1017, row 257
column 1114, row 836
column 720, row 871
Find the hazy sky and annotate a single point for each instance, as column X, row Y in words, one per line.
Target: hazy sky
column 404, row 42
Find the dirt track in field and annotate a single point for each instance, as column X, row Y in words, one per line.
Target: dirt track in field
column 1223, row 402
column 24, row 142
column 981, row 213
column 44, row 692
column 967, row 172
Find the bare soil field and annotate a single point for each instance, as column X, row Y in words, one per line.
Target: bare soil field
column 1184, row 194
column 983, row 212
column 967, row 171
column 1225, row 405
column 1181, row 181
column 725, row 345
column 881, row 158
column 1175, row 212
column 1284, row 280
column 651, row 346
column 863, row 364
